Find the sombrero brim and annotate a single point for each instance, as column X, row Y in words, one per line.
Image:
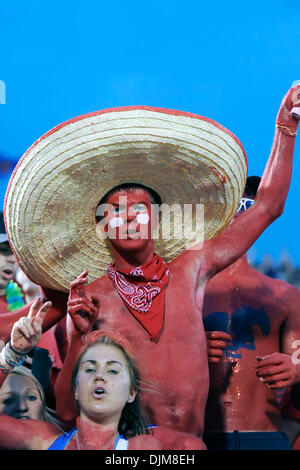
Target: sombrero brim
column 54, row 191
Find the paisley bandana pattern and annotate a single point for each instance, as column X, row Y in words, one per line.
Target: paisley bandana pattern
column 143, row 292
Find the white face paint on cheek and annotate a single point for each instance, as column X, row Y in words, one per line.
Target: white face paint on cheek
column 116, row 222
column 142, row 218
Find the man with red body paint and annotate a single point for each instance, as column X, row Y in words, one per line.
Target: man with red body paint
column 176, row 361
column 252, row 322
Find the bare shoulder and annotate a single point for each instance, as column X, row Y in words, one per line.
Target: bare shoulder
column 144, row 442
column 47, row 433
column 99, row 284
column 284, row 290
column 290, row 297
column 176, row 440
column 187, row 264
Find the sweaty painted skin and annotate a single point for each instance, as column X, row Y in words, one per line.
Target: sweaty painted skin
column 39, row 435
column 177, row 363
column 169, row 366
column 102, row 366
column 264, row 316
column 165, row 365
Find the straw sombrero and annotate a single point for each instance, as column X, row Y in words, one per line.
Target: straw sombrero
column 54, row 191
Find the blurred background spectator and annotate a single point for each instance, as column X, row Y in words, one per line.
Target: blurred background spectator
column 283, row 269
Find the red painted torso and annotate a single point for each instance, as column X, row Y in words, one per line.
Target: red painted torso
column 237, row 399
column 176, row 363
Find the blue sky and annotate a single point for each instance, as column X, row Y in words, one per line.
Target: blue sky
column 230, row 61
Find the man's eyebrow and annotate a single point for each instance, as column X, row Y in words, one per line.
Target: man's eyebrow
column 115, row 204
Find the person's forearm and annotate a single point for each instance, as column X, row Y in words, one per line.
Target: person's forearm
column 55, row 313
column 65, row 401
column 58, row 309
column 8, row 319
column 13, row 433
column 275, row 182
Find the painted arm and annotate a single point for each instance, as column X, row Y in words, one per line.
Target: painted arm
column 65, row 401
column 56, row 312
column 236, row 239
column 25, row 335
column 82, row 313
column 28, row 434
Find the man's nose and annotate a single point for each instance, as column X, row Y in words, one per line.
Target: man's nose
column 131, row 215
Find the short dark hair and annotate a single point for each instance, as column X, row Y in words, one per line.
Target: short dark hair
column 130, row 187
column 5, row 249
column 2, row 225
column 252, row 184
column 3, row 235
column 155, row 197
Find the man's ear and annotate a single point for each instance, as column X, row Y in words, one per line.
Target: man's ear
column 155, row 217
column 101, row 229
column 102, row 226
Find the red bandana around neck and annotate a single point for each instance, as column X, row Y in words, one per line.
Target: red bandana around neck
column 143, row 291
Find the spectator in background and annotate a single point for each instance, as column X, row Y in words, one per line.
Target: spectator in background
column 251, row 322
column 22, row 396
column 16, row 290
column 30, row 290
column 284, row 270
column 11, row 296
column 106, row 382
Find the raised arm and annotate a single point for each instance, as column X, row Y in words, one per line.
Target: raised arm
column 241, row 233
column 57, row 311
column 82, row 313
column 25, row 335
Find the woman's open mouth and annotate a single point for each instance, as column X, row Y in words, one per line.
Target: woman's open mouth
column 99, row 392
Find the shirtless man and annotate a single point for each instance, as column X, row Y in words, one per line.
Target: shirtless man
column 173, row 347
column 251, row 322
